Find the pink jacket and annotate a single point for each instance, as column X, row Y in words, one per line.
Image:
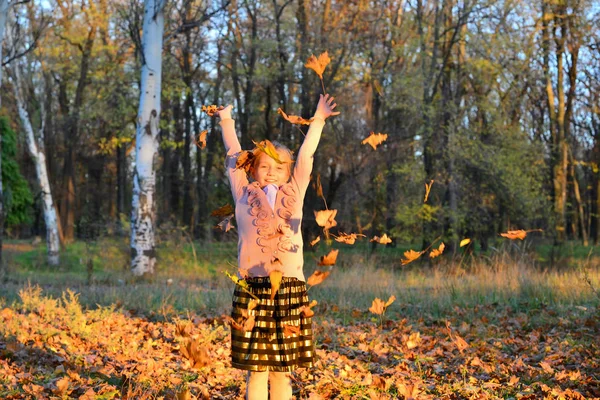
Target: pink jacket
column 266, row 234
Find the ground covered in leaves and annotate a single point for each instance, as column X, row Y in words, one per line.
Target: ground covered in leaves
column 53, row 348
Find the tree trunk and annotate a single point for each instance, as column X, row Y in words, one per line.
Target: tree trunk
column 143, row 253
column 3, row 14
column 39, row 158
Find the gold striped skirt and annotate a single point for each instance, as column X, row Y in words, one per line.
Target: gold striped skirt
column 280, row 339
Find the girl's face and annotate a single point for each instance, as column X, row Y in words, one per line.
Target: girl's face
column 267, row 171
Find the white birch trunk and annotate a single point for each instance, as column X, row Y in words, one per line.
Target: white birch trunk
column 3, row 14
column 39, row 158
column 143, row 255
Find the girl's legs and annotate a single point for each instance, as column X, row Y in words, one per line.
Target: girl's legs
column 281, row 385
column 257, row 385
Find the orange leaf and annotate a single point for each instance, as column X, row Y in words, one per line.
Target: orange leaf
column 223, row 211
column 201, row 140
column 348, row 238
column 437, row 252
column 317, row 277
column 226, row 225
column 326, row 218
column 275, row 278
column 427, row 190
column 512, row 235
column 315, row 241
column 410, row 256
column 269, row 149
column 377, row 307
column 290, row 330
column 382, row 240
column 319, row 187
column 211, row 110
column 307, row 310
column 390, row 301
column 329, row 259
column 294, row 119
column 245, row 160
column 318, row 64
column 375, row 139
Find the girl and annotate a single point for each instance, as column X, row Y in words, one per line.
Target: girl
column 273, row 336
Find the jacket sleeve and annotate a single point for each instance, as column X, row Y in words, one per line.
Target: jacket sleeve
column 237, row 177
column 305, row 158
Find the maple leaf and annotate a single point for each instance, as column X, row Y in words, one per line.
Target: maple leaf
column 410, row 256
column 275, row 278
column 413, row 340
column 326, row 218
column 382, row 240
column 427, row 190
column 294, row 119
column 315, row 241
column 62, row 386
column 317, row 277
column 512, row 235
column 318, row 64
column 290, row 330
column 378, row 306
column 328, row 259
column 348, row 238
column 226, row 225
column 196, row 354
column 211, row 110
column 375, row 139
column 245, row 160
column 437, row 252
column 307, row 310
column 222, row 211
column 183, row 328
column 464, row 242
column 200, row 140
column 269, row 149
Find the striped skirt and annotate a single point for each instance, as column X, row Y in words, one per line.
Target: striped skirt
column 269, row 344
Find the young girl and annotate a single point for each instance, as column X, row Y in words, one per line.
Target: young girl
column 268, row 213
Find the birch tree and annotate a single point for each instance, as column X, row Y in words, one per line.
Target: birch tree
column 3, row 13
column 143, row 255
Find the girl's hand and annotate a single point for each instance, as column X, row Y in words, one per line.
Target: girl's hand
column 225, row 113
column 325, row 107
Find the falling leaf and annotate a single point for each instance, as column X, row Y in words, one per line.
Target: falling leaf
column 183, row 328
column 390, row 301
column 269, row 149
column 211, row 110
column 384, row 239
column 348, row 238
column 427, row 190
column 318, row 64
column 326, row 218
column 294, row 119
column 275, row 278
column 315, row 241
column 377, row 307
column 290, row 330
column 237, row 280
column 375, row 139
column 200, row 140
column 307, row 310
column 317, row 277
column 226, row 225
column 245, row 160
column 465, row 242
column 319, row 187
column 410, row 256
column 437, row 252
column 512, row 235
column 329, row 259
column 222, row 211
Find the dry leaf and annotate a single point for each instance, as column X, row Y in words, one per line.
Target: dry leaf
column 184, row 395
column 290, row 330
column 317, row 240
column 62, row 385
column 375, row 139
column 226, row 225
column 275, row 278
column 382, row 240
column 294, row 119
column 329, row 259
column 195, row 353
column 237, row 280
column 326, row 218
column 390, row 301
column 348, row 238
column 200, row 140
column 318, row 64
column 211, row 110
column 512, row 235
column 377, row 307
column 317, row 277
column 465, row 242
column 307, row 310
column 410, row 256
column 413, row 340
column 269, row 149
column 245, row 160
column 222, row 211
column 437, row 252
column 427, row 190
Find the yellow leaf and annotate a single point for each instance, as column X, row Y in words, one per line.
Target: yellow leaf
column 465, row 242
column 245, row 160
column 390, row 301
column 237, row 280
column 348, row 238
column 375, row 139
column 269, row 149
column 318, row 64
column 294, row 119
column 382, row 240
column 377, row 307
column 326, row 218
column 410, row 256
column 437, row 252
column 275, row 278
column 427, row 190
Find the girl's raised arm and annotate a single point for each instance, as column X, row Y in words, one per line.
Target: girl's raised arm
column 237, row 177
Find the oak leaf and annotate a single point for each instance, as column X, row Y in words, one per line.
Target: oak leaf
column 275, row 277
column 512, row 235
column 437, row 252
column 222, row 211
column 410, row 256
column 375, row 139
column 318, row 64
column 326, row 218
column 328, row 259
column 294, row 119
column 384, row 239
column 317, row 277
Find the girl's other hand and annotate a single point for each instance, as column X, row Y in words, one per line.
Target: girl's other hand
column 225, row 113
column 325, row 107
